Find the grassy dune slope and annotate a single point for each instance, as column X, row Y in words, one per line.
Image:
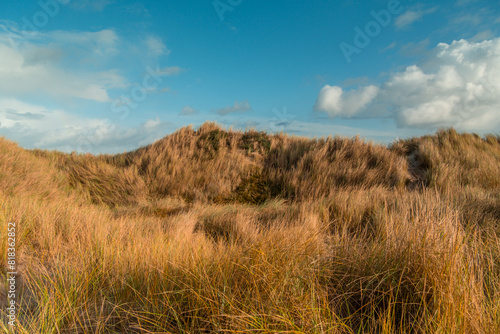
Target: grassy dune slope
column 222, row 231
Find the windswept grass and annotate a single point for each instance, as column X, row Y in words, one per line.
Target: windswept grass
column 211, row 230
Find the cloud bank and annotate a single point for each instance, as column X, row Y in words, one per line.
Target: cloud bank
column 458, row 85
column 35, row 126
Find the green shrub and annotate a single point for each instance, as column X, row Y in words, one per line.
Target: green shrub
column 254, row 141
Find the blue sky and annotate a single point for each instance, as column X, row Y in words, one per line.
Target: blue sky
column 109, row 75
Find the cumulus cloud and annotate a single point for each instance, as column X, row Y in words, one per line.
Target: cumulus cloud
column 336, row 102
column 35, row 126
column 237, row 107
column 458, row 85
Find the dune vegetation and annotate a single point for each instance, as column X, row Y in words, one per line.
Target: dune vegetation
column 211, row 230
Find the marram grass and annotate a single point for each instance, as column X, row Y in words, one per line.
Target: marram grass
column 215, row 231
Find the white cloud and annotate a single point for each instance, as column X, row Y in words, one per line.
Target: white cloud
column 458, row 85
column 237, row 107
column 469, row 19
column 410, row 16
column 156, row 47
column 34, row 126
column 336, row 102
column 60, row 67
column 464, row 2
column 389, row 47
column 168, row 71
column 96, row 5
column 16, row 77
column 187, row 110
column 35, row 66
column 152, row 123
column 136, row 8
column 481, row 36
column 80, row 45
column 413, row 49
column 43, row 126
column 101, row 43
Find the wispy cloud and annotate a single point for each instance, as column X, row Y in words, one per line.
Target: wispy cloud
column 482, row 35
column 389, row 47
column 102, row 43
column 61, row 67
column 67, row 64
column 237, row 107
column 412, row 49
column 94, row 5
column 137, row 8
column 470, row 19
column 187, row 110
column 464, row 2
column 168, row 71
column 412, row 15
column 156, row 47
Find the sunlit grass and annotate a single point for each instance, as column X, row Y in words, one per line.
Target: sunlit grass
column 330, row 236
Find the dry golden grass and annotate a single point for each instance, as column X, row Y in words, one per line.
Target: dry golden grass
column 222, row 231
